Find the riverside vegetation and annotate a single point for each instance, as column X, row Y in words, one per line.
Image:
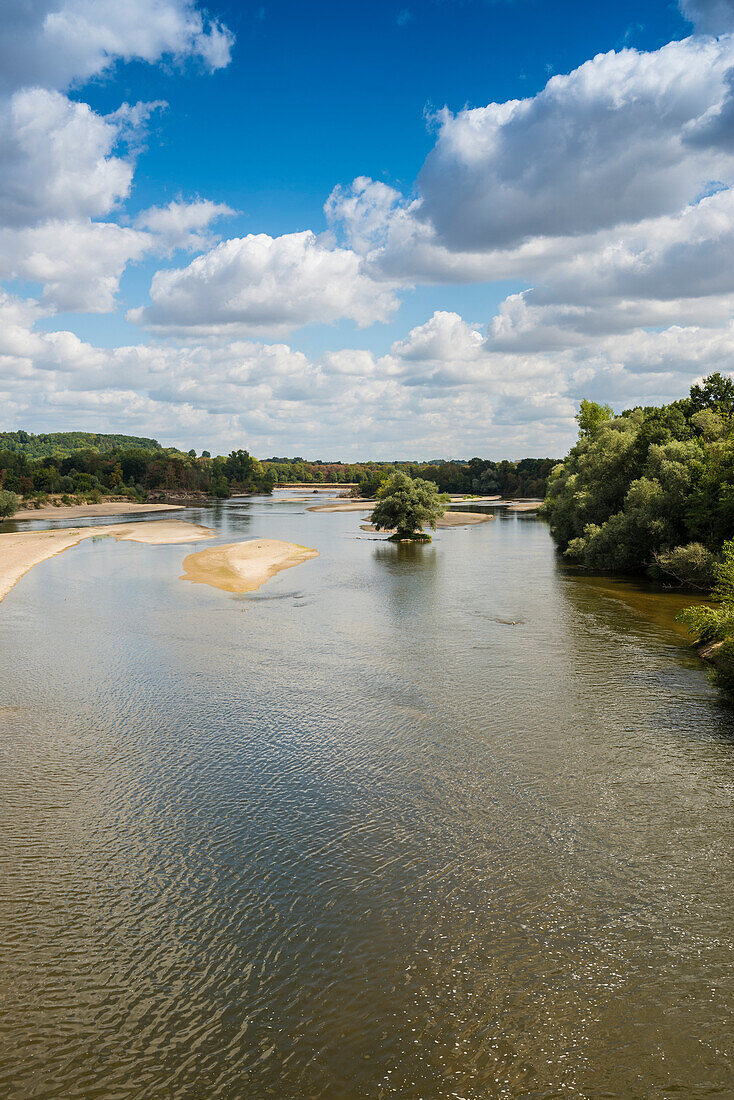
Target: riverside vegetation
column 86, row 465
column 652, row 491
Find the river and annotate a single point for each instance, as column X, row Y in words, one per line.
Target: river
column 409, row 821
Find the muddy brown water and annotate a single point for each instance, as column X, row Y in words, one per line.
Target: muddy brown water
column 409, row 821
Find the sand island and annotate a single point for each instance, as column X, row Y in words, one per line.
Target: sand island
column 244, row 566
column 83, row 511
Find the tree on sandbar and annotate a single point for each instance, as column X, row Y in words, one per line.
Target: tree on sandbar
column 407, row 505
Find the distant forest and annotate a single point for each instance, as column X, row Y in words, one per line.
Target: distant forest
column 66, row 443
column 88, row 465
column 525, row 478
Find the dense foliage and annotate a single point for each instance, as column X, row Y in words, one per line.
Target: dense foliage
column 407, row 505
column 526, row 478
column 66, row 443
column 82, row 463
column 649, row 490
column 8, row 503
column 132, row 472
column 716, row 624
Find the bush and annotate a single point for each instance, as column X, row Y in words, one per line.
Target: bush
column 715, row 624
column 8, row 503
column 691, row 565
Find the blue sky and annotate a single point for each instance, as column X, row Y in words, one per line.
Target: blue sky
column 493, row 265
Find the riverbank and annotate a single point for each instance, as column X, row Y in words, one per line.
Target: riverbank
column 79, row 511
column 244, row 566
column 21, row 550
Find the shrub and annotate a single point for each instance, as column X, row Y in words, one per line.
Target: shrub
column 715, row 624
column 691, row 565
column 8, row 503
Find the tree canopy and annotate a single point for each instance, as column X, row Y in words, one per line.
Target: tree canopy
column 8, row 503
column 407, row 505
column 651, row 489
column 61, row 444
column 591, row 416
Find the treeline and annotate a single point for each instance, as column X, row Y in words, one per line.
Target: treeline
column 132, row 472
column 526, row 477
column 62, row 444
column 52, row 465
column 650, row 490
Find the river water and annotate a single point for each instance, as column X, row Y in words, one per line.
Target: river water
column 409, row 821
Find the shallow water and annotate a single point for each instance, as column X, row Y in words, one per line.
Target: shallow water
column 356, row 834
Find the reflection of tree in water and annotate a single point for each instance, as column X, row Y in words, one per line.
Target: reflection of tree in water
column 398, row 555
column 229, row 517
column 410, row 571
column 634, row 610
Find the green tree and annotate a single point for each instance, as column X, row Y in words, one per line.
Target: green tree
column 716, row 624
column 368, row 486
column 651, row 489
column 239, row 467
column 8, row 503
column 590, row 416
column 408, row 505
column 716, row 392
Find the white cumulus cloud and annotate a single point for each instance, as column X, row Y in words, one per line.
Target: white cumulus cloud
column 57, row 43
column 709, row 16
column 619, row 139
column 184, row 225
column 260, row 283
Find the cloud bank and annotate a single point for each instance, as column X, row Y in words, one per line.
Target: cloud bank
column 607, row 197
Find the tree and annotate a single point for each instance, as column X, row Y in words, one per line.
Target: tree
column 8, row 503
column 368, row 486
column 239, row 467
column 716, row 392
column 590, row 416
column 649, row 490
column 408, row 505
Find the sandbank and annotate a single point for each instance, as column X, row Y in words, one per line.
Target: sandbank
column 21, row 550
column 368, row 505
column 448, row 519
column 345, row 506
column 244, row 566
column 458, row 499
column 524, row 505
column 77, row 511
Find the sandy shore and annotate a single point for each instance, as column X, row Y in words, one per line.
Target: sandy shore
column 524, row 505
column 474, row 500
column 77, row 511
column 244, row 566
column 345, row 506
column 448, row 519
column 21, row 550
column 368, row 505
